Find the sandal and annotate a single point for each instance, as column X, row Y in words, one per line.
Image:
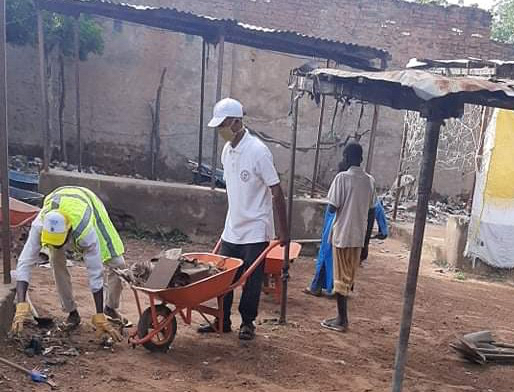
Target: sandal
column 308, row 291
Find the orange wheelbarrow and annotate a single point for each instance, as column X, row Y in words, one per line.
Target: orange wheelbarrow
column 157, row 324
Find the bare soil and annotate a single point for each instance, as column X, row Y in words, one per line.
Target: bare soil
column 300, row 356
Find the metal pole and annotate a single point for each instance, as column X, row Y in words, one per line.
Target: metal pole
column 76, row 60
column 4, row 153
column 318, row 145
column 426, row 178
column 202, row 102
column 219, row 83
column 400, row 169
column 290, row 196
column 45, row 118
column 376, row 110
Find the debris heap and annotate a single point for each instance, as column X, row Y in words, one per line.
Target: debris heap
column 481, row 347
column 167, row 270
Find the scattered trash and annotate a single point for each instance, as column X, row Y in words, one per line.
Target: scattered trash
column 71, row 352
column 481, row 347
column 107, row 343
column 438, row 211
column 34, row 347
column 49, row 350
column 55, row 361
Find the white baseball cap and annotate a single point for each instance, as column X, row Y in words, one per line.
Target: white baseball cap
column 55, row 229
column 227, row 107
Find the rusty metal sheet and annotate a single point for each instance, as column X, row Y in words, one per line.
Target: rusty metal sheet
column 284, row 41
column 425, row 85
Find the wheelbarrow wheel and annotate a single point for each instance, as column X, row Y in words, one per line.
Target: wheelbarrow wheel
column 163, row 339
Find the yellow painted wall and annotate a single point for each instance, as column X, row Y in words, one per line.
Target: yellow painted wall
column 500, row 179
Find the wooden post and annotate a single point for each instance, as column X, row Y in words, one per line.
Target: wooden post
column 76, row 60
column 202, row 103
column 4, row 153
column 155, row 137
column 219, row 84
column 484, row 123
column 318, row 142
column 290, row 197
column 318, row 146
column 45, row 117
column 374, row 124
column 400, row 169
column 426, row 178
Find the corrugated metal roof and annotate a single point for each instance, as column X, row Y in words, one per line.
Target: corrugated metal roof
column 468, row 66
column 413, row 89
column 284, row 41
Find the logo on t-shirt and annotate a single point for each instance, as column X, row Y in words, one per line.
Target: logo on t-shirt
column 245, row 176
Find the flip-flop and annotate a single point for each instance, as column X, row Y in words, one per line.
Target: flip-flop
column 310, row 292
column 330, row 324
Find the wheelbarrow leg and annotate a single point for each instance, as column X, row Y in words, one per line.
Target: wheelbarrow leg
column 221, row 315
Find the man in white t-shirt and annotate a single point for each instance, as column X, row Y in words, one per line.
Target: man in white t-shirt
column 253, row 189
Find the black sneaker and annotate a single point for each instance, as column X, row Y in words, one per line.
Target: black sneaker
column 73, row 320
column 247, row 332
column 117, row 318
column 208, row 328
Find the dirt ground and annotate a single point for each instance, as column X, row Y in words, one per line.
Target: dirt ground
column 300, row 356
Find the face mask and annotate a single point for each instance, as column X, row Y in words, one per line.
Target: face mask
column 226, row 133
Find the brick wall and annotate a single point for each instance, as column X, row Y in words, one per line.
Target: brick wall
column 405, row 29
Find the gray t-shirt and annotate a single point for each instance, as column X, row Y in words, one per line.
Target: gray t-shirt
column 352, row 193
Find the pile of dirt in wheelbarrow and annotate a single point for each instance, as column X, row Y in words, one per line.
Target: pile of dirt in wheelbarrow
column 167, row 270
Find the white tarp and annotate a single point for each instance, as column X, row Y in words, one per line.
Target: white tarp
column 491, row 230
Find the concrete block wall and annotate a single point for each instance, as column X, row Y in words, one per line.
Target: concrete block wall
column 118, row 86
column 151, row 205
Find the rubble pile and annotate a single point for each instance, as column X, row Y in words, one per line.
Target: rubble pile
column 438, row 211
column 25, row 164
column 188, row 271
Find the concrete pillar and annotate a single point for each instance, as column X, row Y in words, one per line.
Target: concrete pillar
column 456, row 237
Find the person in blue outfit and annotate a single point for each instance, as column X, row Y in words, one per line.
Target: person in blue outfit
column 323, row 280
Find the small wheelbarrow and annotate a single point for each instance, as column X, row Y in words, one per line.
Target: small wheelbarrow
column 157, row 324
column 272, row 283
column 20, row 213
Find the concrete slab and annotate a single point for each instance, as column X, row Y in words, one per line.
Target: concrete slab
column 6, row 307
column 434, row 242
column 158, row 206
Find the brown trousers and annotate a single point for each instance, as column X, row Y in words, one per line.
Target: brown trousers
column 346, row 262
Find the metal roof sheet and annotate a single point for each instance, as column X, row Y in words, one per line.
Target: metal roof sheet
column 413, row 89
column 284, row 41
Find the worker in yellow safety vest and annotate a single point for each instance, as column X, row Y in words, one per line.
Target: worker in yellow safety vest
column 74, row 216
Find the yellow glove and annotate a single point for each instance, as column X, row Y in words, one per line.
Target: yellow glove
column 103, row 327
column 23, row 313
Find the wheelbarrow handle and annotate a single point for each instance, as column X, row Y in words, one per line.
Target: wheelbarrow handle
column 217, row 247
column 244, row 277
